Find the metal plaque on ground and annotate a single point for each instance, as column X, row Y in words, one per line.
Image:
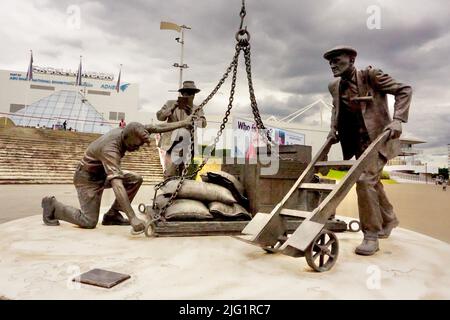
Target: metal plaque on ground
column 101, row 278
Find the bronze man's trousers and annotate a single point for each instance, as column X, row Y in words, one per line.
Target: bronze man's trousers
column 90, row 189
column 375, row 210
column 175, row 160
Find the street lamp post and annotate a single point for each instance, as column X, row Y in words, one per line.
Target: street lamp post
column 173, row 26
column 181, row 65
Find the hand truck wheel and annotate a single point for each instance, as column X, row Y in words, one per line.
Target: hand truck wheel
column 354, row 226
column 150, row 229
column 141, row 208
column 323, row 252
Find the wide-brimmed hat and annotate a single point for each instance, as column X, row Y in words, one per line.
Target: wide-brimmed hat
column 338, row 50
column 189, row 86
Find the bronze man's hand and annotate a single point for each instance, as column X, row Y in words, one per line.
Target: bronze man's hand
column 333, row 136
column 189, row 120
column 396, row 129
column 183, row 104
column 187, row 108
column 174, row 106
column 137, row 224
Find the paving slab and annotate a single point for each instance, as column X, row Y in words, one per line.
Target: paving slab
column 39, row 262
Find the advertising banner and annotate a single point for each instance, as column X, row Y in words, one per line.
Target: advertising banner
column 246, row 139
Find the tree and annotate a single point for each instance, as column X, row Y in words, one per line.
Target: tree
column 443, row 172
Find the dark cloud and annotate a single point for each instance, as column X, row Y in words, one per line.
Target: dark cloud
column 433, row 127
column 288, row 40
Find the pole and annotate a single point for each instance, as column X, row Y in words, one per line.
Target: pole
column 181, row 58
column 321, row 115
column 426, row 174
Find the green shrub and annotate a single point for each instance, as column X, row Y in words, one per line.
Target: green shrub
column 385, row 175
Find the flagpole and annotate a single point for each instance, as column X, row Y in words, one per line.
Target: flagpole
column 118, row 79
column 78, row 83
column 29, row 78
column 30, row 67
column 78, row 79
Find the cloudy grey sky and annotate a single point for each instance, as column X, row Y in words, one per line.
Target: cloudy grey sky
column 288, row 40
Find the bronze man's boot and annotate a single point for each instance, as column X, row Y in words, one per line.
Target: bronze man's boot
column 368, row 247
column 114, row 217
column 48, row 212
column 54, row 211
column 387, row 229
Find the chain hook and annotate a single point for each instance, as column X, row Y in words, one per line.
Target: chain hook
column 243, row 36
column 242, row 14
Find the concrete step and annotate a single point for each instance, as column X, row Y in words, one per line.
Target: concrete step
column 59, row 181
column 51, row 175
column 67, row 176
column 69, row 161
column 31, row 150
column 42, row 164
column 35, row 156
column 69, row 157
column 65, row 173
column 5, row 173
column 22, row 145
column 43, row 146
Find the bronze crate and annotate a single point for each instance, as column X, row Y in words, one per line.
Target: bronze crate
column 265, row 191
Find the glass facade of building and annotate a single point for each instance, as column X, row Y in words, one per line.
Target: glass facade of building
column 65, row 105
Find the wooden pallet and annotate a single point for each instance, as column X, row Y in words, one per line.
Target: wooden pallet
column 225, row 228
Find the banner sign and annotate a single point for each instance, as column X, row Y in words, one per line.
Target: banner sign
column 246, row 139
column 105, row 86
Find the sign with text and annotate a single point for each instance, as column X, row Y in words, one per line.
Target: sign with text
column 105, row 86
column 246, row 138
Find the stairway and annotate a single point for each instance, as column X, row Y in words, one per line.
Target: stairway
column 44, row 156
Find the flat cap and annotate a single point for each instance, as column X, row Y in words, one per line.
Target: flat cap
column 338, row 50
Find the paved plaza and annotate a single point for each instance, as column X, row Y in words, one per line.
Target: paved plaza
column 421, row 208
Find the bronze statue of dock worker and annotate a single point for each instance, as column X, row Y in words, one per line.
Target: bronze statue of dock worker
column 171, row 142
column 360, row 113
column 99, row 169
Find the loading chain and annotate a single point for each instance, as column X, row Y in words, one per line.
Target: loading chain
column 243, row 44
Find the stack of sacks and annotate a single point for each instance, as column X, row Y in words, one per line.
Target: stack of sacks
column 220, row 196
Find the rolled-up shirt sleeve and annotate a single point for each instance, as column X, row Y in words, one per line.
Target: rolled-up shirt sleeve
column 111, row 160
column 165, row 111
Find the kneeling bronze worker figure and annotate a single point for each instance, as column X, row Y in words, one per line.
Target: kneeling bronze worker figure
column 99, row 169
column 360, row 114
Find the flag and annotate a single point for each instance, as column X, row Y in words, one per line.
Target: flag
column 79, row 75
column 169, row 26
column 30, row 68
column 118, row 79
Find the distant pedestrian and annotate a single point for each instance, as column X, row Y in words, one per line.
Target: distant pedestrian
column 122, row 123
column 65, row 125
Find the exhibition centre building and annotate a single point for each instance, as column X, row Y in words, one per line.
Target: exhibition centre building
column 52, row 97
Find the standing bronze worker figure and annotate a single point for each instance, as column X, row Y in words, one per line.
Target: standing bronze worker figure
column 171, row 142
column 99, row 169
column 360, row 113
